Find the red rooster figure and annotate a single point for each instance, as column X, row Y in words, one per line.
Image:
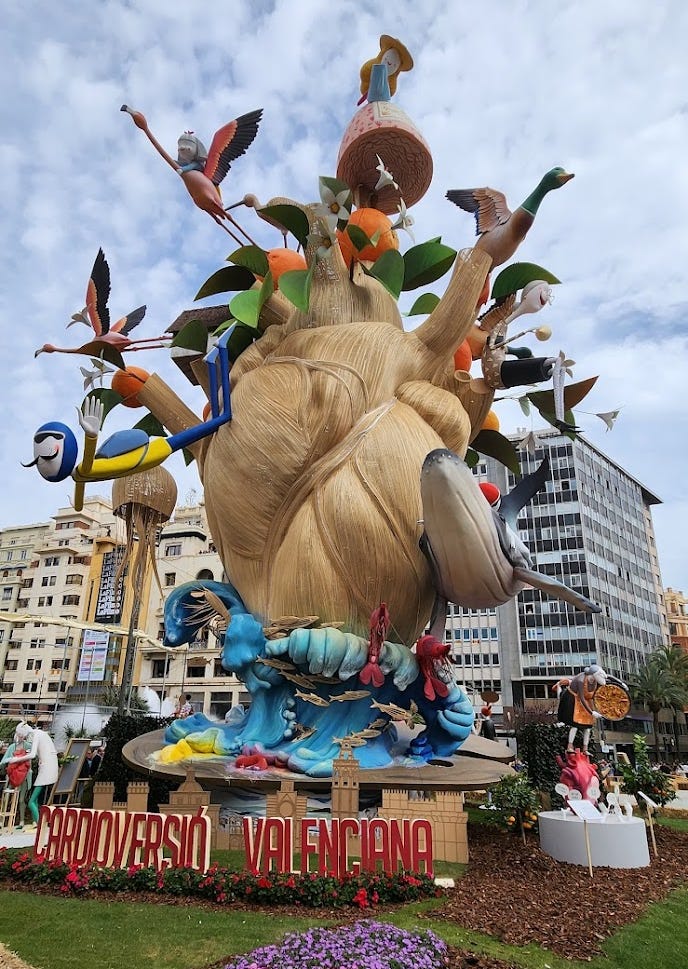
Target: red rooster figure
column 432, row 654
column 379, row 624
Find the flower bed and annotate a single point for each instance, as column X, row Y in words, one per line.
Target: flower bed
column 363, row 945
column 220, row 885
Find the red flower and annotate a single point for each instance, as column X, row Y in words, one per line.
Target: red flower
column 290, row 882
column 361, row 898
column 263, row 882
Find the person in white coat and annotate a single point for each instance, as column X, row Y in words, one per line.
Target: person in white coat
column 38, row 745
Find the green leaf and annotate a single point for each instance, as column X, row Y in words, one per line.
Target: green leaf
column 425, row 263
column 358, row 237
column 152, row 426
column 472, row 457
column 193, row 336
column 335, row 185
column 292, row 218
column 245, row 307
column 518, row 275
column 389, row 270
column 543, row 400
column 296, row 286
column 495, row 445
column 251, row 257
column 188, row 456
column 224, row 326
column 108, row 398
column 229, row 279
column 524, row 404
column 242, row 338
column 424, row 304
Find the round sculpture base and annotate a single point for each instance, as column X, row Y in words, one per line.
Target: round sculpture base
column 613, row 844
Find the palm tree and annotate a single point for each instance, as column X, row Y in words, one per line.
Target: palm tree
column 656, row 689
column 675, row 661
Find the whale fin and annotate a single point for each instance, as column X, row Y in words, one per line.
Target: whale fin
column 553, row 587
column 522, row 493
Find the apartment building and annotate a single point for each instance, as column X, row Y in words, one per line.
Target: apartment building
column 677, row 616
column 591, row 528
column 45, row 569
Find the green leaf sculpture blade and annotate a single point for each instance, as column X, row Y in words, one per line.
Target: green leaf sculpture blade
column 108, row 398
column 152, row 426
column 229, row 279
column 424, row 304
column 543, row 400
column 425, row 263
column 252, row 258
column 358, row 237
column 518, row 275
column 472, row 457
column 193, row 336
column 245, row 307
column 242, row 337
column 296, row 286
column 292, row 218
column 496, row 446
column 389, row 270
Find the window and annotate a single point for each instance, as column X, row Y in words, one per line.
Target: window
column 170, row 578
column 160, row 668
column 74, row 579
column 36, row 643
column 52, row 687
column 70, row 600
column 173, row 549
column 57, row 664
column 11, row 665
column 22, row 554
column 7, row 593
column 45, row 600
column 29, row 687
column 52, row 560
column 34, row 664
column 48, row 580
column 196, row 672
column 27, row 583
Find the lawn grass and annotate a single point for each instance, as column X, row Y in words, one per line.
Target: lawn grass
column 71, row 933
column 74, row 933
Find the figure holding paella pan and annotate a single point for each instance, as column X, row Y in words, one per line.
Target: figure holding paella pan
column 587, row 696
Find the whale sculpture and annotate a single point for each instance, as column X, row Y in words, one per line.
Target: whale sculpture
column 475, row 555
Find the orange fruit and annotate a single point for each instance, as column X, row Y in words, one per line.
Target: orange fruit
column 282, row 261
column 128, row 382
column 491, row 422
column 463, row 358
column 371, row 221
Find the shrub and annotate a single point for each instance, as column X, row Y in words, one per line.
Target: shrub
column 220, row 885
column 538, row 746
column 646, row 778
column 515, row 802
column 118, row 732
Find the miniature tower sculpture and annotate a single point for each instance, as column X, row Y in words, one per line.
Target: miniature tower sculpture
column 345, row 784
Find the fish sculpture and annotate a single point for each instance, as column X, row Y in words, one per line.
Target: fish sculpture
column 475, row 555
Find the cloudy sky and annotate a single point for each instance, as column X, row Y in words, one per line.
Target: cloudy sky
column 501, row 91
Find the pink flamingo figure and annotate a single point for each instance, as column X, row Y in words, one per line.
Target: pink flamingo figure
column 109, row 341
column 202, row 170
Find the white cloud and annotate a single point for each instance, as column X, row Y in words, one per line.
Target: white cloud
column 501, row 92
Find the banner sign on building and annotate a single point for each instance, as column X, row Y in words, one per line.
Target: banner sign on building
column 109, row 602
column 94, row 651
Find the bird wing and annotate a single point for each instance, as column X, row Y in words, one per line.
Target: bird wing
column 229, row 142
column 97, row 295
column 128, row 322
column 487, row 205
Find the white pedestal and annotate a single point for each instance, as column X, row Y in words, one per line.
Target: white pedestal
column 613, row 844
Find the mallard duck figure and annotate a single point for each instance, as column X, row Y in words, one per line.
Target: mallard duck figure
column 502, row 231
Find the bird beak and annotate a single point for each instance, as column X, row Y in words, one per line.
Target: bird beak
column 565, row 177
column 235, row 205
column 136, row 116
column 37, row 352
